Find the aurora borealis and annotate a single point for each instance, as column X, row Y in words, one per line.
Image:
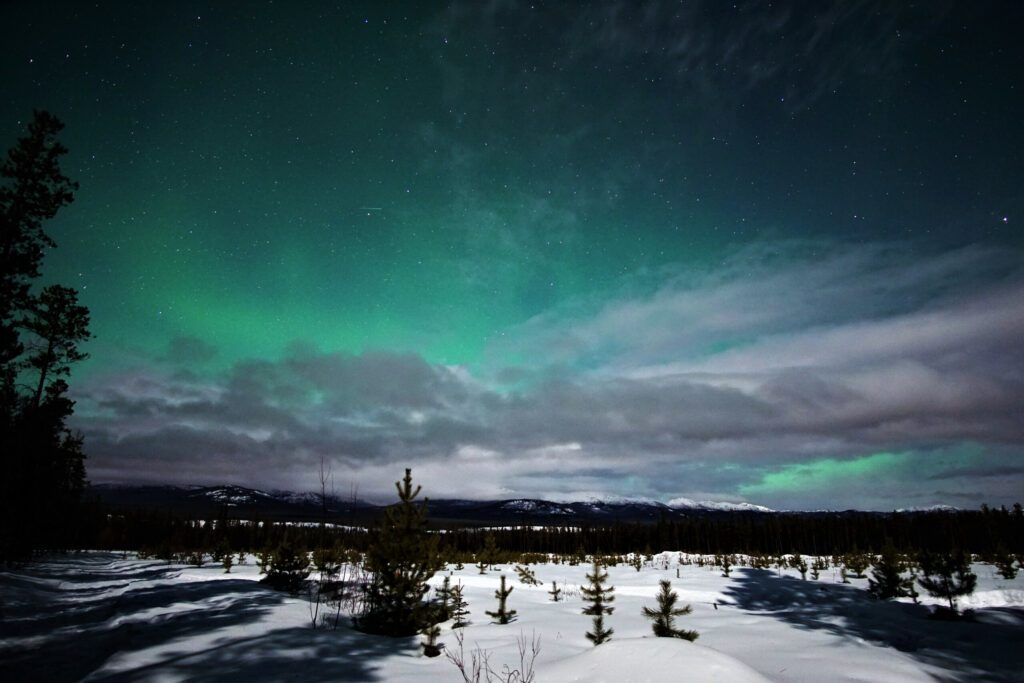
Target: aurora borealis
column 751, row 251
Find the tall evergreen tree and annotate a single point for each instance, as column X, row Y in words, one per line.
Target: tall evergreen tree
column 599, row 598
column 34, row 190
column 664, row 616
column 41, row 459
column 402, row 557
column 56, row 324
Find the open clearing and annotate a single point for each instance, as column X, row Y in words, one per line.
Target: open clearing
column 110, row 617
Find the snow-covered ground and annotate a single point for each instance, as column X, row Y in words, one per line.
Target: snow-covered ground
column 105, row 617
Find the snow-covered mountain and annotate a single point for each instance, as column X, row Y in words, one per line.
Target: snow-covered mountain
column 689, row 504
column 239, row 500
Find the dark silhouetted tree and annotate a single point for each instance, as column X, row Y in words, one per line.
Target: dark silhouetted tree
column 57, row 324
column 41, row 459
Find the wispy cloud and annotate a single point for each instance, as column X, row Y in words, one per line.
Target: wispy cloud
column 792, row 368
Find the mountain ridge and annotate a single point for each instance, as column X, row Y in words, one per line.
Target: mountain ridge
column 238, row 501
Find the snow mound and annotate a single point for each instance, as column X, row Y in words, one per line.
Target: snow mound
column 650, row 660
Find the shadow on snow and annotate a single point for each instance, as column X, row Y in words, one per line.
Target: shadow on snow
column 989, row 648
column 68, row 630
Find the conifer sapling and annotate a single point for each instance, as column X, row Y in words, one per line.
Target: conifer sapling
column 798, row 563
column 664, row 616
column 887, row 580
column 458, row 606
column 503, row 615
column 526, row 575
column 430, row 647
column 947, row 576
column 1004, row 563
column 599, row 598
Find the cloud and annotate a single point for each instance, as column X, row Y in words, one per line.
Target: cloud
column 779, row 378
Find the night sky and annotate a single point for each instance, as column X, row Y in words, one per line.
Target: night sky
column 763, row 252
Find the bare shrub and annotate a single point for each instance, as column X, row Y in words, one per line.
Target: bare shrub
column 478, row 667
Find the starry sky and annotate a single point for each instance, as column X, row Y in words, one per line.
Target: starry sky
column 765, row 252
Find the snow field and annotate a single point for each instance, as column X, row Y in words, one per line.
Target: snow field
column 100, row 617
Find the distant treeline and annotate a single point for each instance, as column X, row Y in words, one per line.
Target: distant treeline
column 980, row 532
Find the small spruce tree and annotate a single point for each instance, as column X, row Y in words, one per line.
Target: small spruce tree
column 887, row 581
column 947, row 575
column 263, row 558
column 327, row 562
column 725, row 562
column 598, row 596
column 443, row 594
column 856, row 563
column 1004, row 563
column 817, row 566
column 555, row 592
column 488, row 555
column 798, row 563
column 526, row 575
column 503, row 615
column 430, row 647
column 459, row 607
column 288, row 568
column 760, row 561
column 227, row 561
column 664, row 616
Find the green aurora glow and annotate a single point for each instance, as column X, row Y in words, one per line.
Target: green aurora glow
column 435, row 181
